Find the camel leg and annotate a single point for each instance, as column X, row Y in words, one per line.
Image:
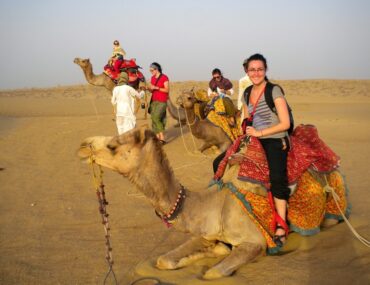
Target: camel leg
column 146, row 109
column 224, row 146
column 194, row 249
column 137, row 105
column 239, row 255
column 204, row 146
column 146, row 106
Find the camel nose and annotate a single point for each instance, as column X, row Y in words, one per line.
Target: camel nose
column 85, row 150
column 179, row 100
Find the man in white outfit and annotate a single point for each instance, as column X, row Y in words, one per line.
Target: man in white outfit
column 124, row 100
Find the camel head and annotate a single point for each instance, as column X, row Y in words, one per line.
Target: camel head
column 125, row 154
column 187, row 99
column 83, row 63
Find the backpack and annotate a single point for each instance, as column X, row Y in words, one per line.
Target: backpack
column 270, row 101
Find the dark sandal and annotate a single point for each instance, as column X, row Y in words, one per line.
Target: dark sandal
column 280, row 240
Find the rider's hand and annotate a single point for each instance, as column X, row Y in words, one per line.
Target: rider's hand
column 253, row 132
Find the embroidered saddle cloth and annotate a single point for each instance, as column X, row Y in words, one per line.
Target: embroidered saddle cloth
column 310, row 203
column 307, row 151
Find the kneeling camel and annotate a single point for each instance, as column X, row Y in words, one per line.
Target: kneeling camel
column 138, row 155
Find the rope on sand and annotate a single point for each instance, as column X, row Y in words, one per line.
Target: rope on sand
column 336, row 198
column 186, row 148
column 183, row 140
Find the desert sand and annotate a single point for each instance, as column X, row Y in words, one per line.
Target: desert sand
column 50, row 227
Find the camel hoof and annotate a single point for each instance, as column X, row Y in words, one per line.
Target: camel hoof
column 221, row 249
column 165, row 264
column 212, row 274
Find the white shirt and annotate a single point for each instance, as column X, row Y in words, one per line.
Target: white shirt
column 244, row 82
column 209, row 92
column 124, row 98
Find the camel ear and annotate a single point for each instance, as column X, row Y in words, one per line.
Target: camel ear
column 88, row 59
column 145, row 133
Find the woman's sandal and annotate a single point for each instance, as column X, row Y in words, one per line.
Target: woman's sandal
column 280, row 240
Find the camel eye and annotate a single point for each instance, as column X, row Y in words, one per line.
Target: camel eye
column 112, row 148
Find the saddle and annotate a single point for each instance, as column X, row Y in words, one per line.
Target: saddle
column 307, row 151
column 128, row 66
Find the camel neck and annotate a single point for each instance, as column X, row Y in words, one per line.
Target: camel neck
column 157, row 182
column 88, row 71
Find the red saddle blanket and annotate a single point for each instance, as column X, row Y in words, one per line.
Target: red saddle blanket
column 127, row 65
column 307, row 151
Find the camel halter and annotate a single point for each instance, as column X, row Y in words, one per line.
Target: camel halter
column 192, row 137
column 168, row 218
column 97, row 175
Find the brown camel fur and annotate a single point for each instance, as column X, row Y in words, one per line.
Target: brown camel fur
column 138, row 155
column 104, row 81
column 202, row 129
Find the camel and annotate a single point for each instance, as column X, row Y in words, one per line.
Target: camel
column 138, row 155
column 202, row 129
column 104, row 81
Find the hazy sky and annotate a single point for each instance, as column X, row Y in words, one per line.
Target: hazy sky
column 306, row 39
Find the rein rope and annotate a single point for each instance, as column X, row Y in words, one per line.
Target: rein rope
column 192, row 136
column 100, row 193
column 97, row 175
column 330, row 189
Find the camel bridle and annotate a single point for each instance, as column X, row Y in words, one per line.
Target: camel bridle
column 169, row 217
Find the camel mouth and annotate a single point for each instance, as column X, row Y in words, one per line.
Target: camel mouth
column 179, row 102
column 76, row 60
column 85, row 151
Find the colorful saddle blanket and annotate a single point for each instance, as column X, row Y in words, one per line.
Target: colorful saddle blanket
column 307, row 151
column 217, row 116
column 310, row 203
column 307, row 207
column 126, row 65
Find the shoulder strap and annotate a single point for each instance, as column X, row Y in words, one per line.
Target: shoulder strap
column 247, row 93
column 160, row 75
column 268, row 95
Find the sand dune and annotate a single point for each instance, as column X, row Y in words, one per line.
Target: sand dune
column 50, row 230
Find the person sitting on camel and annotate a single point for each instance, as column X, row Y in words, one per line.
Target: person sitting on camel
column 112, row 69
column 221, row 87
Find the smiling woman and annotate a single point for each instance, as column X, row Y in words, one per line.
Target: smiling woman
column 271, row 129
